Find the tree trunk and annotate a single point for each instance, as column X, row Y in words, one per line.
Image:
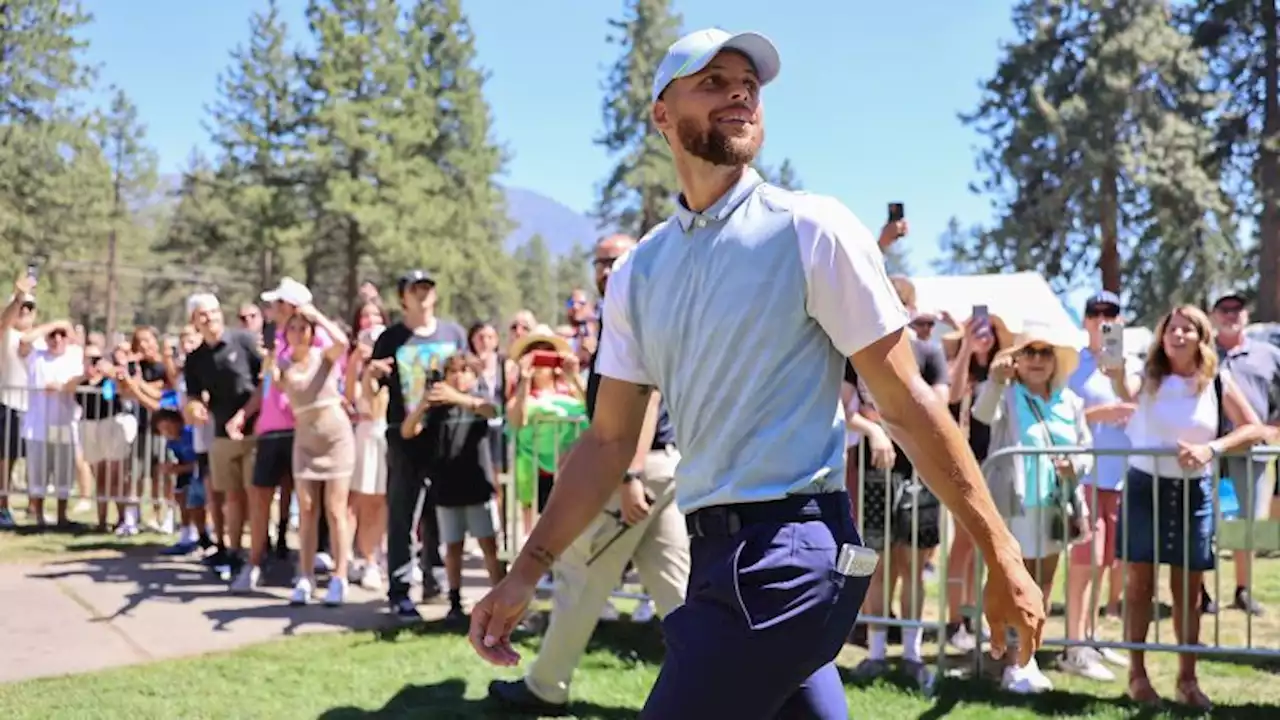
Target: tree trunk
column 353, row 265
column 1109, row 220
column 1268, row 309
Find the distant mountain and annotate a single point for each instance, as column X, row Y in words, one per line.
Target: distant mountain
column 536, row 214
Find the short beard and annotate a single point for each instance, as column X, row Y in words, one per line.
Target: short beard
column 714, row 146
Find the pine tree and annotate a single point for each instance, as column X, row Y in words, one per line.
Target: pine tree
column 1242, row 38
column 52, row 180
column 638, row 192
column 133, row 178
column 255, row 125
column 1097, row 153
column 535, row 281
column 467, row 251
column 573, row 272
column 784, row 176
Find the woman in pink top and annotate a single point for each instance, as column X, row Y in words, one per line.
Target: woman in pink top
column 323, row 446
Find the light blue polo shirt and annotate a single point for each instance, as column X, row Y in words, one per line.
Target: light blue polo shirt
column 742, row 316
column 1094, row 387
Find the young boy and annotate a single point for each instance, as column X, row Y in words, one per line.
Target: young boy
column 183, row 464
column 452, row 425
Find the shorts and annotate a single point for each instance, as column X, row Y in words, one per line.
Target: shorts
column 1180, row 535
column 370, row 476
column 194, row 496
column 12, row 445
column 230, row 464
column 1104, row 513
column 50, row 463
column 275, row 459
column 875, row 500
column 478, row 521
column 108, row 439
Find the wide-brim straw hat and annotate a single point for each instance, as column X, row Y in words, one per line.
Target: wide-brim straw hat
column 1064, row 350
column 1004, row 337
column 539, row 334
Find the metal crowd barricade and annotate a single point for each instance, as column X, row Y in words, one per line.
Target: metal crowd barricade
column 1246, row 533
column 44, row 436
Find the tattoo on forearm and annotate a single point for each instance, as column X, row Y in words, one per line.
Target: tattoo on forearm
column 542, row 556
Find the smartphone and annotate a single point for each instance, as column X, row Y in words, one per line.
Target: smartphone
column 981, row 317
column 546, row 358
column 33, row 271
column 269, row 336
column 1112, row 344
column 434, row 373
column 897, row 211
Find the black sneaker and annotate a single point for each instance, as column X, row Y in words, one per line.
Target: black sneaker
column 405, row 611
column 282, row 547
column 1207, row 604
column 1244, row 601
column 456, row 616
column 431, row 590
column 516, row 695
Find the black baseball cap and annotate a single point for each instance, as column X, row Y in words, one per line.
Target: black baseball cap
column 1236, row 296
column 1100, row 300
column 414, row 277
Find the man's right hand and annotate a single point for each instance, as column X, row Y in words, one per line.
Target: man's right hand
column 235, row 426
column 1013, row 600
column 635, row 506
column 24, row 285
column 496, row 616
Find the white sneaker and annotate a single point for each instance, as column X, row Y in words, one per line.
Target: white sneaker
column 126, row 529
column 1113, row 657
column 336, row 593
column 247, row 579
column 1026, row 680
column 371, row 578
column 415, row 576
column 324, row 562
column 166, row 526
column 82, row 506
column 1085, row 662
column 644, row 612
column 301, row 594
column 609, row 613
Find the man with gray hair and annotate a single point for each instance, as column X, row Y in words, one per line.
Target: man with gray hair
column 221, row 376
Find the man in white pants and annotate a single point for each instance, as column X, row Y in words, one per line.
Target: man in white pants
column 649, row 531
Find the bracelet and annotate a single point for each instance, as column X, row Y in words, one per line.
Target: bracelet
column 632, row 476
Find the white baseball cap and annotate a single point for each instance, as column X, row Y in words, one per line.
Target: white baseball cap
column 290, row 291
column 691, row 53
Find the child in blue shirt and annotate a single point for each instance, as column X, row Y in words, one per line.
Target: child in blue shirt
column 181, row 464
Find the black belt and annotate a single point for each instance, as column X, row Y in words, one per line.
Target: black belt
column 726, row 520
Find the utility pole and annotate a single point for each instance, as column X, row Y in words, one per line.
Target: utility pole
column 112, row 242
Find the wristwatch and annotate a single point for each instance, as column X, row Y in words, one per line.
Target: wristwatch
column 632, row 476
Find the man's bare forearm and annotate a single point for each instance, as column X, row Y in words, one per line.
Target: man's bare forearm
column 924, row 429
column 590, row 474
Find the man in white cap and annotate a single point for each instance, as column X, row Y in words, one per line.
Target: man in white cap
column 743, row 309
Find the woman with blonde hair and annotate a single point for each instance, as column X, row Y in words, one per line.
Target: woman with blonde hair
column 1027, row 404
column 323, row 445
column 1185, row 403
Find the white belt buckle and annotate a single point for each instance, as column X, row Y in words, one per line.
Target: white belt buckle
column 856, row 561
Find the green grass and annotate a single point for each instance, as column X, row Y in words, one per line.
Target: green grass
column 429, row 672
column 26, row 544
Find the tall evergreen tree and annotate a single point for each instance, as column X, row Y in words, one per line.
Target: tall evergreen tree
column 1096, row 152
column 52, row 180
column 132, row 165
column 467, row 249
column 255, row 125
column 535, row 280
column 638, row 192
column 784, row 176
column 573, row 272
column 1242, row 38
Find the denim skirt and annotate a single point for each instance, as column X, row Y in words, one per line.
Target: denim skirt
column 1172, row 524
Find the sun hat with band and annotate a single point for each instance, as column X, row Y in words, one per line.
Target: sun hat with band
column 1004, row 337
column 691, row 53
column 1035, row 333
column 539, row 334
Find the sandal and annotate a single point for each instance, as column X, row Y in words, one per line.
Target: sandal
column 1188, row 693
column 1141, row 691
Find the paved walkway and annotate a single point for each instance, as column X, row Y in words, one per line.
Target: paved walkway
column 71, row 616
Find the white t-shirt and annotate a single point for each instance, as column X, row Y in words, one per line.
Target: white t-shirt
column 51, row 415
column 13, row 372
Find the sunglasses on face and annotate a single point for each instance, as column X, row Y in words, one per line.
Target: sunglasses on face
column 1106, row 312
column 1230, row 309
column 248, row 316
column 605, row 262
column 922, row 324
column 1042, row 353
column 519, row 326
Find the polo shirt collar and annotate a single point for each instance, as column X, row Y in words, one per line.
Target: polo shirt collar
column 1240, row 349
column 723, row 207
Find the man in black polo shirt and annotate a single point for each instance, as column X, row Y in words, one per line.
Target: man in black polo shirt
column 640, row 524
column 221, row 376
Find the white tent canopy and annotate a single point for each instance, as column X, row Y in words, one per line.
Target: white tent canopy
column 1015, row 297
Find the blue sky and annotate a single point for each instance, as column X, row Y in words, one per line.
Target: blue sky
column 865, row 106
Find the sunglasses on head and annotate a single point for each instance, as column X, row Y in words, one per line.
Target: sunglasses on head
column 1042, row 352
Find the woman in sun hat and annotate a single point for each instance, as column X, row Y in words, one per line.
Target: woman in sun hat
column 1027, row 404
column 547, row 411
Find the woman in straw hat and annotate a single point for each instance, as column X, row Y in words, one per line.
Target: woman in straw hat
column 1027, row 404
column 969, row 351
column 547, row 411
